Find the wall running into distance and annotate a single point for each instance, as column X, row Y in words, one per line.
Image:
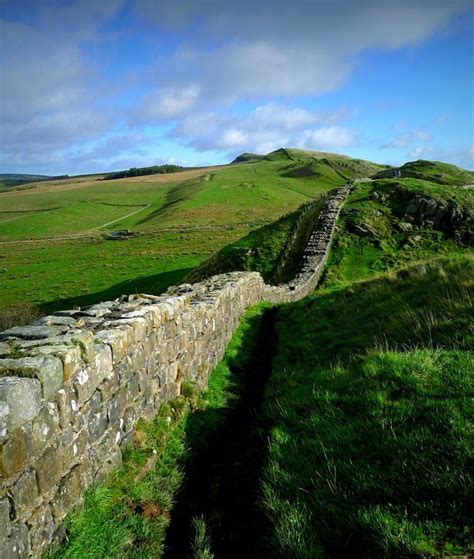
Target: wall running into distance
column 72, row 385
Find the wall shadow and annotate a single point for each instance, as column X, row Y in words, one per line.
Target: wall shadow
column 155, row 285
column 228, row 452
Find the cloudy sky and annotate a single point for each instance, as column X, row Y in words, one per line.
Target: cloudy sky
column 89, row 86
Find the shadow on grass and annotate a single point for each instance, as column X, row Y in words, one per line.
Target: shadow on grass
column 228, row 452
column 155, row 284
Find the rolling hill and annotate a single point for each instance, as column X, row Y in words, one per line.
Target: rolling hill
column 337, row 426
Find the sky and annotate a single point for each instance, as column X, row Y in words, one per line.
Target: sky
column 91, row 86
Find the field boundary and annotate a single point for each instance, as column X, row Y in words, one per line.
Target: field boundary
column 74, row 384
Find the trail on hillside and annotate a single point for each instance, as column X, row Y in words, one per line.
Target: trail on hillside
column 124, row 217
column 222, row 478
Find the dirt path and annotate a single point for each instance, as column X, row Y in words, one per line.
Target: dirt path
column 222, row 476
column 122, row 218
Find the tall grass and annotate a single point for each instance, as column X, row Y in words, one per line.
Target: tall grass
column 371, row 401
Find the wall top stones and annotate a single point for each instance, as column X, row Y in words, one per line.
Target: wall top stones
column 73, row 384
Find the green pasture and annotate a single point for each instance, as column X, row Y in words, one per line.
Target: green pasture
column 52, row 247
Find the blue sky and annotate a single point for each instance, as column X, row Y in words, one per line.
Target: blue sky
column 91, row 86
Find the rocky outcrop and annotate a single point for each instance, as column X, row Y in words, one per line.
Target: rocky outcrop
column 73, row 385
column 457, row 221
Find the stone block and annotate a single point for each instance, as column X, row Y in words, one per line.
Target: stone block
column 103, row 359
column 137, row 358
column 45, row 426
column 80, row 443
column 15, row 452
column 130, row 417
column 4, row 415
column 55, row 320
column 49, row 469
column 70, row 490
column 17, row 544
column 4, row 519
column 65, row 443
column 42, row 528
column 66, row 400
column 116, row 406
column 48, row 370
column 32, row 332
column 133, row 385
column 88, row 379
column 22, row 396
column 70, row 356
column 119, row 339
column 109, row 385
column 97, row 425
column 24, row 492
column 113, row 460
column 5, row 349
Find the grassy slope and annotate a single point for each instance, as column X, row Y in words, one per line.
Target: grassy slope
column 258, row 251
column 369, row 423
column 370, row 399
column 186, row 221
column 370, row 394
column 437, row 172
column 356, row 256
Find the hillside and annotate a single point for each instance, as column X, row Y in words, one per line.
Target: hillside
column 370, row 436
column 433, row 171
column 336, row 426
column 178, row 220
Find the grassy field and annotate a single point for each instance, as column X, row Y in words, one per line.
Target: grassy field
column 52, row 248
column 370, row 402
column 339, row 426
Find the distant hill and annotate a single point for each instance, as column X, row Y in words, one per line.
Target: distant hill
column 22, row 177
column 143, row 171
column 324, row 166
column 247, row 158
column 10, row 180
column 433, row 171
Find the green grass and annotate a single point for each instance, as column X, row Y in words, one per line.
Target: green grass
column 371, row 402
column 259, row 251
column 387, row 246
column 51, row 236
column 435, row 171
column 127, row 516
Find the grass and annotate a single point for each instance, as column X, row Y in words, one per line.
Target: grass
column 350, row 433
column 52, row 248
column 127, row 516
column 259, row 251
column 386, row 245
column 437, row 172
column 373, row 431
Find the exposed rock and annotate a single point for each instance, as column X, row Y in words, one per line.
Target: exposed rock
column 120, row 235
column 23, row 397
column 33, row 332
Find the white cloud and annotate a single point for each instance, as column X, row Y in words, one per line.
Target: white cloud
column 331, row 137
column 462, row 156
column 252, row 49
column 168, row 103
column 265, row 128
column 406, row 139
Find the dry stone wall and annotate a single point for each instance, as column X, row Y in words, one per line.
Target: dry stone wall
column 72, row 385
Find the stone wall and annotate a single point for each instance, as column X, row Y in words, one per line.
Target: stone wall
column 72, row 385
